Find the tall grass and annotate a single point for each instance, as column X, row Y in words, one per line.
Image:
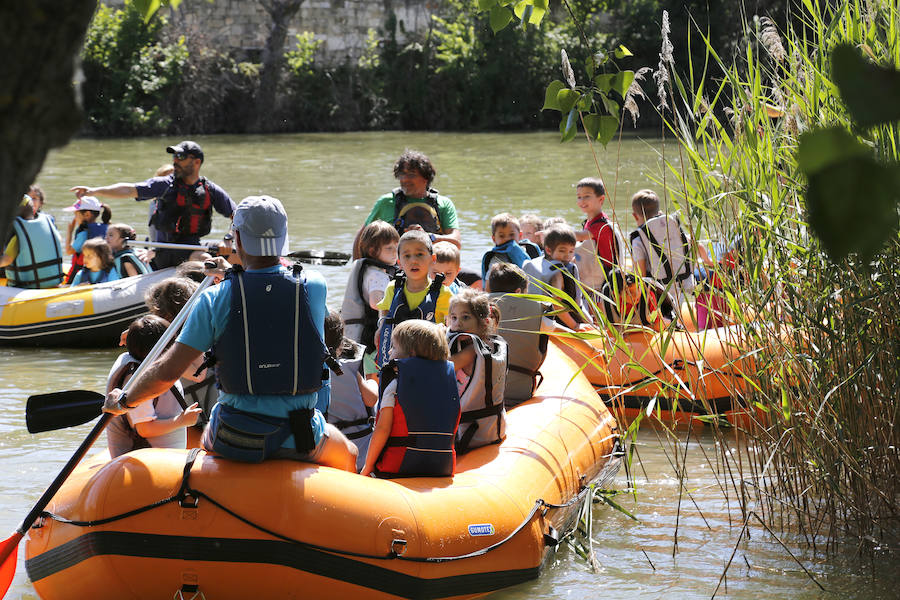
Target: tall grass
column 822, row 454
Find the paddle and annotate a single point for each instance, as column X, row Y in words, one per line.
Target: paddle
column 314, row 257
column 9, row 546
column 58, row 410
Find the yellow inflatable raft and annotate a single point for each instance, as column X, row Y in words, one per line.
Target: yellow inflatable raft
column 156, row 523
column 90, row 315
column 682, row 373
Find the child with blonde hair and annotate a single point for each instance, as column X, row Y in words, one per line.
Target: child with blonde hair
column 480, row 361
column 418, row 407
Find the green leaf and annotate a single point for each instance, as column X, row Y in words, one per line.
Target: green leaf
column 550, row 101
column 592, row 125
column 584, row 103
column 500, row 18
column 851, row 197
column 622, row 52
column 530, row 11
column 611, row 106
column 566, row 99
column 486, row 4
column 568, row 127
column 608, row 127
column 147, row 8
column 621, row 81
column 871, row 92
column 604, row 82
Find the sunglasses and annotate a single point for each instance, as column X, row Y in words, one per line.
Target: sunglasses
column 182, row 155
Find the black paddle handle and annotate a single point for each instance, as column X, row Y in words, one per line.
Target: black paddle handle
column 64, row 474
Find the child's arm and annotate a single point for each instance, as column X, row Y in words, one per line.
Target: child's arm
column 157, row 427
column 380, row 436
column 368, row 389
column 375, row 298
column 464, row 359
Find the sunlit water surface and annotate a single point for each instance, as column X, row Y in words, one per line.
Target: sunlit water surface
column 328, row 183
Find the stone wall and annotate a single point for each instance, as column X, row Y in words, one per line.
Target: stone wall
column 240, row 27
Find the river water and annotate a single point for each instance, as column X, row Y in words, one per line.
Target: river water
column 328, row 183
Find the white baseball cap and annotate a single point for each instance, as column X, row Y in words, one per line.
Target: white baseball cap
column 85, row 203
column 262, row 223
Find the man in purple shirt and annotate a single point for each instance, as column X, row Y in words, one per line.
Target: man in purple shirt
column 186, row 201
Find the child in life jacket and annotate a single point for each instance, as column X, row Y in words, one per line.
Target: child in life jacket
column 369, row 277
column 447, row 261
column 166, row 299
column 412, row 295
column 524, row 327
column 418, row 409
column 660, row 247
column 83, row 227
column 505, row 234
column 557, row 269
column 347, row 399
column 629, row 300
column 160, row 423
column 480, row 361
column 125, row 260
column 590, row 194
column 98, row 263
column 529, row 238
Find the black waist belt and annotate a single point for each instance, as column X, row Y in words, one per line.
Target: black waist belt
column 473, row 415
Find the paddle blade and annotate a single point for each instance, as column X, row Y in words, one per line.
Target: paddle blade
column 58, row 410
column 8, row 554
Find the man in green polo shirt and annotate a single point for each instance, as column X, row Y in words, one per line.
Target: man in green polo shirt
column 415, row 204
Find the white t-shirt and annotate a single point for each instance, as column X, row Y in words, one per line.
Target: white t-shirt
column 167, row 407
column 374, row 280
column 389, row 397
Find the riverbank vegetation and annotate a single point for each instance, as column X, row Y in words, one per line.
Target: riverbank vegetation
column 804, row 192
column 140, row 77
column 790, row 160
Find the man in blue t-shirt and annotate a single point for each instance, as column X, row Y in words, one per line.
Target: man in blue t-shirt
column 186, row 202
column 267, row 386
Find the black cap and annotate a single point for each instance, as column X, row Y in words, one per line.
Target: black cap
column 188, row 147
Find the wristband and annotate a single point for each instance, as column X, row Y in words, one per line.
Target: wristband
column 122, row 404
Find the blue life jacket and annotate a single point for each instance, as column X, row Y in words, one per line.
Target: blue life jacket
column 102, row 276
column 510, row 252
column 270, row 344
column 400, row 312
column 426, row 417
column 531, row 249
column 127, row 255
column 39, row 262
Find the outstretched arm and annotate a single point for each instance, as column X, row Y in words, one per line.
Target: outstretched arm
column 116, row 190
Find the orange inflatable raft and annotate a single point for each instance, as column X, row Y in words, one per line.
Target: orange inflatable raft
column 156, row 523
column 683, row 374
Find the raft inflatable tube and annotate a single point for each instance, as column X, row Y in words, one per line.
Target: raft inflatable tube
column 682, row 374
column 89, row 315
column 155, row 523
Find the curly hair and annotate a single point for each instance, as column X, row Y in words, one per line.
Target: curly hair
column 415, row 160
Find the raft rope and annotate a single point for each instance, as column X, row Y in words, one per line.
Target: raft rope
column 185, row 491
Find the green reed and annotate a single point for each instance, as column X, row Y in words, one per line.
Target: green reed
column 822, row 452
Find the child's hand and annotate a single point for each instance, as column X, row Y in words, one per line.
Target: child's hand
column 190, row 415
